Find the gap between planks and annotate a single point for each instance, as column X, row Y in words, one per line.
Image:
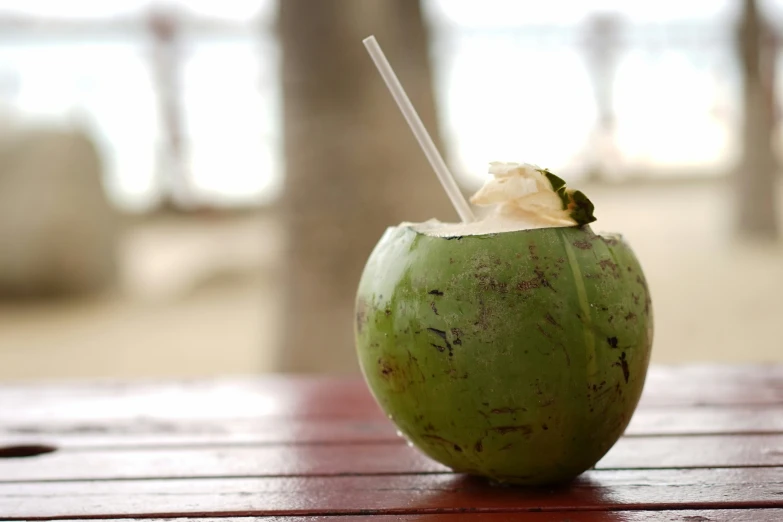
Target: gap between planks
column 733, row 515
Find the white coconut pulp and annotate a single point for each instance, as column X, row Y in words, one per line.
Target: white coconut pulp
column 519, row 197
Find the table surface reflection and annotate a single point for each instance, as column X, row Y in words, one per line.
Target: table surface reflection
column 706, row 443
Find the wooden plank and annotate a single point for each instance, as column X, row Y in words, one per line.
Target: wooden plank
column 707, row 420
column 300, row 397
column 219, row 462
column 701, row 515
column 713, row 385
column 756, row 488
column 198, row 432
column 270, row 396
column 147, row 432
column 118, row 433
column 696, row 451
column 362, row 459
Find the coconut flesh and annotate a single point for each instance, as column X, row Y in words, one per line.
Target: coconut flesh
column 515, row 347
column 520, row 197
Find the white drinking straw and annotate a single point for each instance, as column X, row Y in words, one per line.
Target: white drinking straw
column 412, row 117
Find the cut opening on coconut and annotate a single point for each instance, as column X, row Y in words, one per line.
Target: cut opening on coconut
column 436, row 228
column 519, row 196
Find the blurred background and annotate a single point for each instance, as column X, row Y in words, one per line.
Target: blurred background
column 191, row 188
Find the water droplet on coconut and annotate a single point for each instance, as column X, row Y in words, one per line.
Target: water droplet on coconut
column 399, row 433
column 409, row 443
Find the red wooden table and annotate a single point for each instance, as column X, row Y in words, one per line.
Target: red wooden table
column 706, row 444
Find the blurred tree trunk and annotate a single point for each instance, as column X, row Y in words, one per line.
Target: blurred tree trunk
column 164, row 26
column 757, row 173
column 352, row 166
column 602, row 47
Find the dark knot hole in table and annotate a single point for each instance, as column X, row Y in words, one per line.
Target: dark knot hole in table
column 706, row 442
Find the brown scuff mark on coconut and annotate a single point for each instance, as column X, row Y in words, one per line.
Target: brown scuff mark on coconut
column 533, row 251
column 543, row 332
column 442, row 335
column 543, row 280
column 489, row 283
column 414, row 362
column 445, row 442
column 524, row 429
column 386, row 369
column 647, row 299
column 611, row 265
column 483, row 319
column 361, row 315
column 397, row 377
column 582, row 245
column 529, row 284
column 508, row 409
column 439, row 333
column 539, row 281
column 622, row 362
column 565, row 352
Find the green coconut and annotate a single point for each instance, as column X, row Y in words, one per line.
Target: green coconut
column 517, row 355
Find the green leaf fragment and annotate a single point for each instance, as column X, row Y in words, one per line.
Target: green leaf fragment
column 579, row 207
column 557, row 182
